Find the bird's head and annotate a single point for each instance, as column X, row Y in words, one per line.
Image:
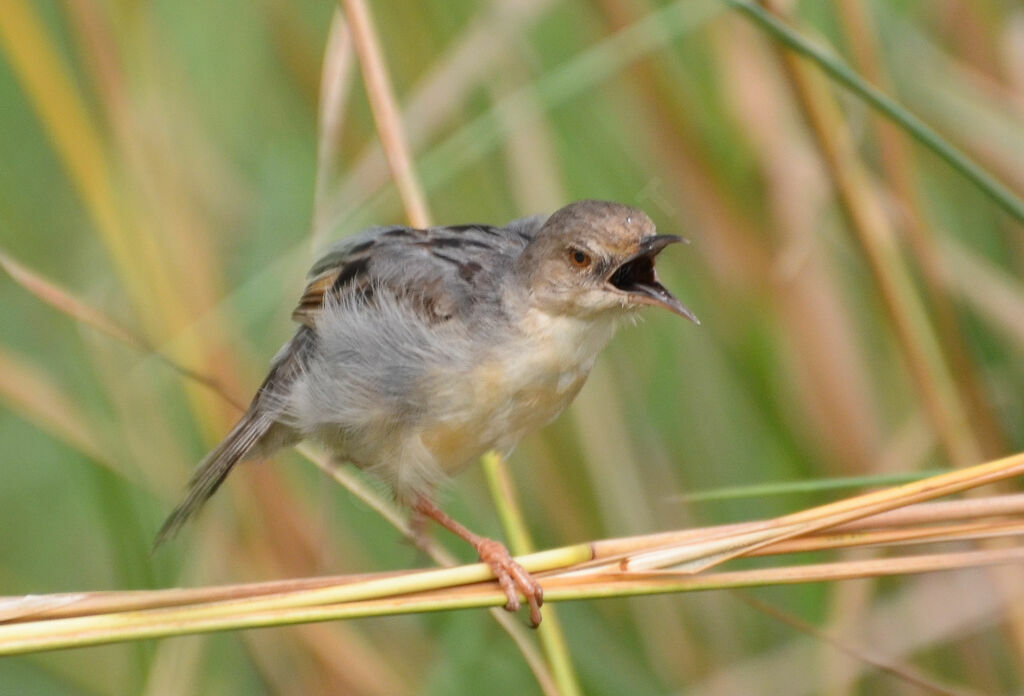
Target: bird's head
column 597, row 257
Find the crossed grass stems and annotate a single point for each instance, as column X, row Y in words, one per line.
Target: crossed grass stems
column 667, row 562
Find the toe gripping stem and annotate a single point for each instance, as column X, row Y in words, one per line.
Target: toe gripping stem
column 511, row 576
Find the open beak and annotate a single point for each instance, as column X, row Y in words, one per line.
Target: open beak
column 637, row 278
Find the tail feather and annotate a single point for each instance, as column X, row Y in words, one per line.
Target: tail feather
column 249, row 432
column 214, row 468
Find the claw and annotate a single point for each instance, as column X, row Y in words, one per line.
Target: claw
column 512, row 578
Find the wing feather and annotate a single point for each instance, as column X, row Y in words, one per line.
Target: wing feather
column 441, row 272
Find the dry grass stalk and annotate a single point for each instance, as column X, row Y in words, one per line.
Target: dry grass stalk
column 335, row 80
column 56, row 633
column 390, row 512
column 899, row 172
column 393, row 141
column 874, row 233
column 56, row 413
column 889, row 528
column 868, row 220
column 435, row 100
column 699, row 555
column 125, row 616
column 385, row 111
column 63, row 301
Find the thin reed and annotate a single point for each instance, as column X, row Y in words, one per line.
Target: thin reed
column 849, row 175
column 652, row 564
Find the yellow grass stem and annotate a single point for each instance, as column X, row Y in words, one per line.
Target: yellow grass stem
column 891, row 528
column 506, row 503
column 348, row 478
column 94, row 630
column 43, row 404
column 396, row 150
column 63, row 114
column 697, row 556
column 433, row 590
column 148, row 623
column 138, row 255
column 551, row 633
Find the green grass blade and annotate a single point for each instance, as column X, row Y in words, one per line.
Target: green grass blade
column 841, row 72
column 817, row 485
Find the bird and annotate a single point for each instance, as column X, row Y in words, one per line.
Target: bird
column 419, row 350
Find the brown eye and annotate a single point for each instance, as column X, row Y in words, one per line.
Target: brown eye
column 580, row 259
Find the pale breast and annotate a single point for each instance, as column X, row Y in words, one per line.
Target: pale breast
column 519, row 387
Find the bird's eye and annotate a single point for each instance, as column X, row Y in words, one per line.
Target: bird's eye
column 580, row 259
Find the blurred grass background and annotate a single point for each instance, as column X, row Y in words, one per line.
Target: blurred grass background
column 160, row 161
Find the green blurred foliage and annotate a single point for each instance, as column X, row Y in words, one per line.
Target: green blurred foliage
column 209, row 123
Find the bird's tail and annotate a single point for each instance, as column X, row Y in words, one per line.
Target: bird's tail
column 215, row 467
column 248, row 433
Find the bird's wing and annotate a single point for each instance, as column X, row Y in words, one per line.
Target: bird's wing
column 442, row 272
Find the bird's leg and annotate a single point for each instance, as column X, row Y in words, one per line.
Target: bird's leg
column 512, row 577
column 418, row 530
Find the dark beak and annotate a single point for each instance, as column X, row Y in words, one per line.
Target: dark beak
column 636, row 277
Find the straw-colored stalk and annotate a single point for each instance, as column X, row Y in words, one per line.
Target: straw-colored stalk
column 399, row 157
column 897, row 166
column 80, row 145
column 385, row 111
column 63, row 301
column 873, row 232
column 43, row 402
column 613, row 568
column 335, row 81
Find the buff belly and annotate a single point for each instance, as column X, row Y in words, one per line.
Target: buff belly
column 520, row 388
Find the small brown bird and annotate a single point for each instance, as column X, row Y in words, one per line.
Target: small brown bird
column 421, row 349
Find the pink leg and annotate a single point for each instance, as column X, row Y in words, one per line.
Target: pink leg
column 511, row 576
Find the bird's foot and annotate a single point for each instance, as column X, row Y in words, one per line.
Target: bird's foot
column 512, row 578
